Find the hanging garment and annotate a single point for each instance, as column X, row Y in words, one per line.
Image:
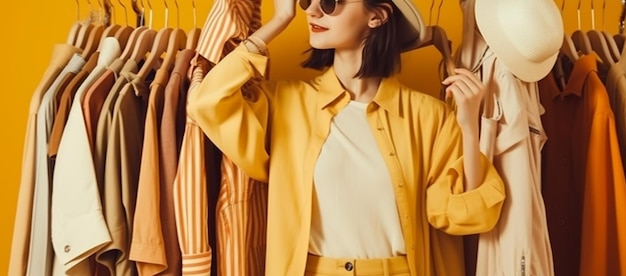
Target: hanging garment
column 237, row 253
column 122, row 164
column 20, row 244
column 112, row 206
column 41, row 255
column 78, row 225
column 65, row 103
column 172, row 129
column 584, row 187
column 615, row 84
column 95, row 97
column 196, row 187
column 519, row 244
column 147, row 245
column 512, row 136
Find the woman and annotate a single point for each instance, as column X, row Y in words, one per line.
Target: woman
column 366, row 176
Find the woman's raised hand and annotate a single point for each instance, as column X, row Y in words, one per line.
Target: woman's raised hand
column 468, row 92
column 284, row 13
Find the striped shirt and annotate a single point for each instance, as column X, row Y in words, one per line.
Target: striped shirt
column 241, row 204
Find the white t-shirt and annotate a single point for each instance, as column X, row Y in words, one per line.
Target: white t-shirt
column 354, row 207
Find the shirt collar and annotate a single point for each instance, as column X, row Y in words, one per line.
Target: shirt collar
column 581, row 70
column 332, row 92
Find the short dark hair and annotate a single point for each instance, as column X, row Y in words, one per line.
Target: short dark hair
column 381, row 54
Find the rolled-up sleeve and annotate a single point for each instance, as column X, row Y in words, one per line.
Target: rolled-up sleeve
column 468, row 212
column 449, row 207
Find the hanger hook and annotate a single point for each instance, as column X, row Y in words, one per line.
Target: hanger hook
column 125, row 11
column 578, row 12
column 149, row 13
column 593, row 16
column 90, row 17
column 139, row 12
column 167, row 13
column 177, row 14
column 430, row 12
column 109, row 11
column 622, row 17
column 603, row 12
column 195, row 14
column 100, row 12
column 77, row 10
column 439, row 12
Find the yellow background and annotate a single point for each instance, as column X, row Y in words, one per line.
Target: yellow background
column 30, row 28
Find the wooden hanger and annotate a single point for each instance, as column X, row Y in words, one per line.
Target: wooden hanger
column 194, row 34
column 581, row 42
column 177, row 41
column 611, row 43
column 619, row 41
column 600, row 46
column 192, row 38
column 93, row 41
column 159, row 45
column 132, row 40
column 83, row 34
column 143, row 45
column 569, row 49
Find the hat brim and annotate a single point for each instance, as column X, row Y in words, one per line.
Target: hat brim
column 411, row 29
column 492, row 30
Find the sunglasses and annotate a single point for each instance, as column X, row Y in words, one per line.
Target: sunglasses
column 328, row 6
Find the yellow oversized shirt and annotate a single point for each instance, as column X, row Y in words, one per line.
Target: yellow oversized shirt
column 274, row 132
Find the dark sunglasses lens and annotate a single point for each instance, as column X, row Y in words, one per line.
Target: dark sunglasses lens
column 304, row 4
column 328, row 6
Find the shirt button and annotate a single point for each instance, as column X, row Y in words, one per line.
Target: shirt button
column 561, row 222
column 67, row 249
column 348, row 266
column 380, row 128
column 392, row 154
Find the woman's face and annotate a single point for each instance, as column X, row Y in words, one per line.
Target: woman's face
column 344, row 29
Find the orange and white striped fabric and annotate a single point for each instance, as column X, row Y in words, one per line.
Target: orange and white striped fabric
column 190, row 198
column 228, row 20
column 241, row 223
column 242, row 203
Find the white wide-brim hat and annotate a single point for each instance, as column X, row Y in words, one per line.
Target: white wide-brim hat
column 411, row 29
column 526, row 35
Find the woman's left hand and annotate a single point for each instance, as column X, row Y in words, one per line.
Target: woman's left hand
column 468, row 92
